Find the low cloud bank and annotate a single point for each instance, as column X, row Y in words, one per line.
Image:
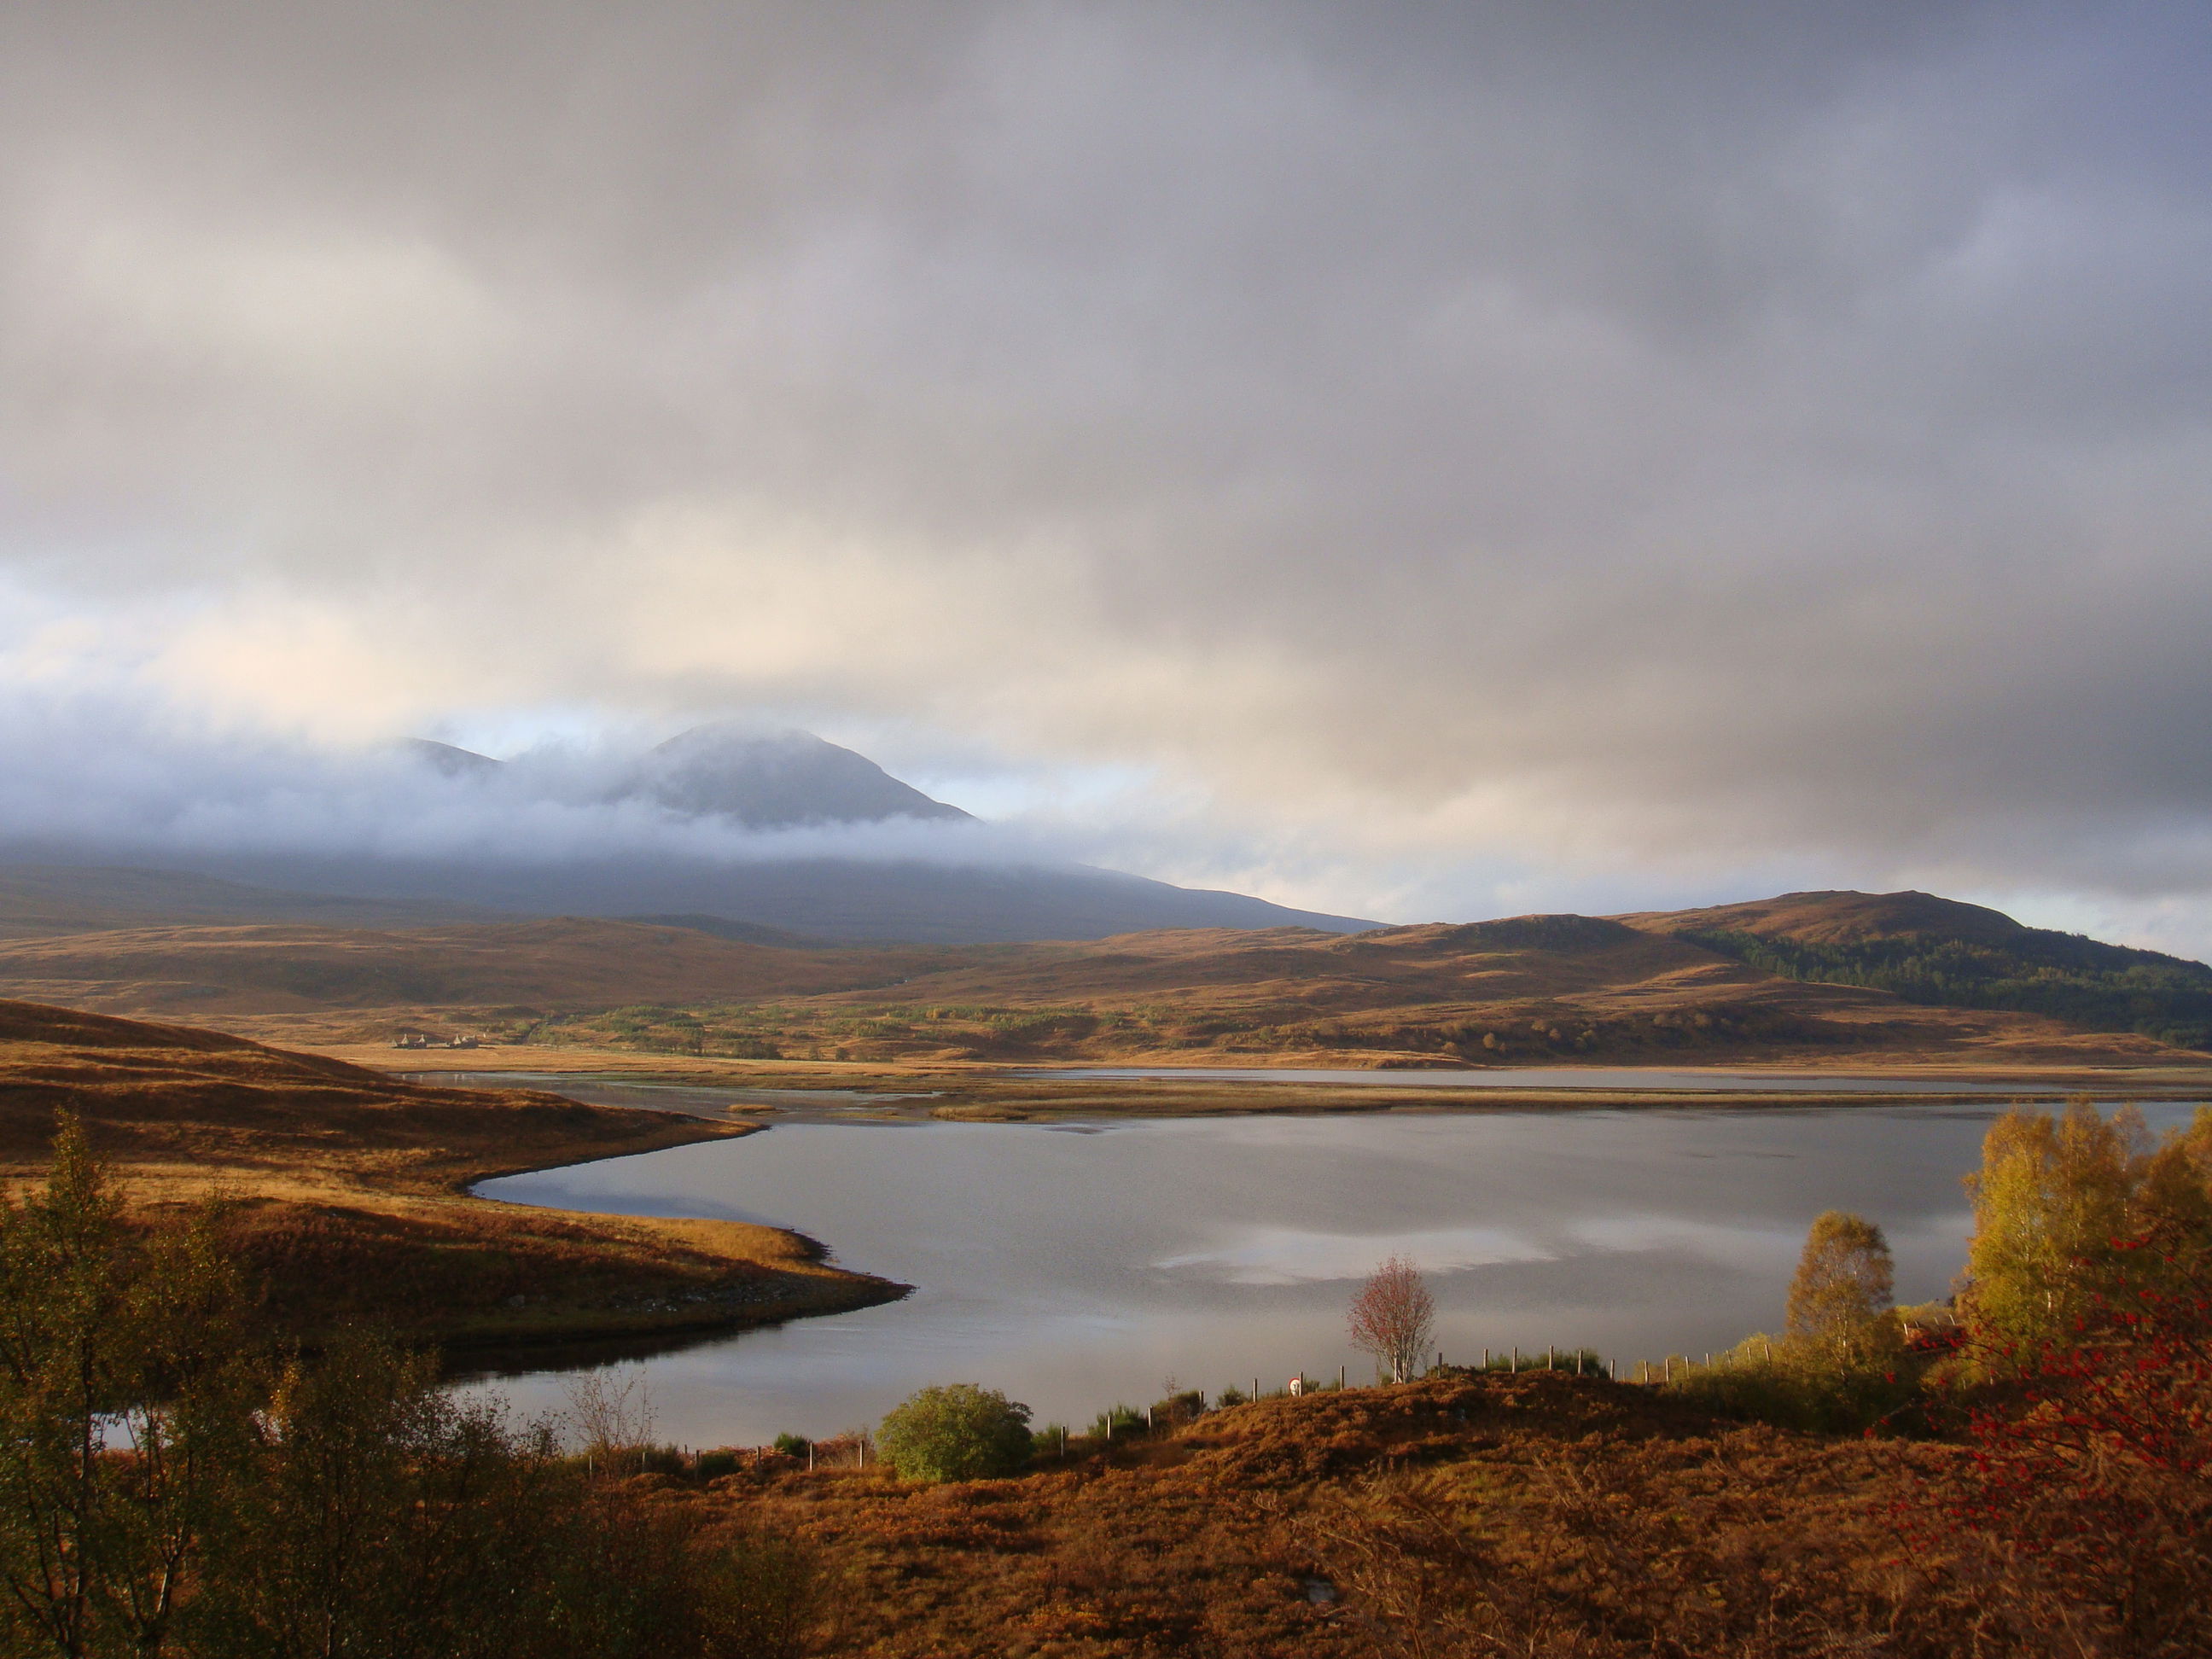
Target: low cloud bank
column 88, row 781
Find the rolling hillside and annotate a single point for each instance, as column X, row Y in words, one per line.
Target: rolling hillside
column 1532, row 990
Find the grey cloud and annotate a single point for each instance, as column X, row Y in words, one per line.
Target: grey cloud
column 1751, row 432
column 110, row 780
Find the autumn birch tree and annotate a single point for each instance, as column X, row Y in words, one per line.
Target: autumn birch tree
column 1841, row 1300
column 1394, row 1317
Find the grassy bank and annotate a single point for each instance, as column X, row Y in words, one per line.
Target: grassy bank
column 345, row 1189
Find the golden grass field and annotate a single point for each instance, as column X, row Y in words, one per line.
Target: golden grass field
column 347, row 1188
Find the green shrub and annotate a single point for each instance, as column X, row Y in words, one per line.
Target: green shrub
column 1179, row 1406
column 1803, row 1384
column 1120, row 1421
column 1583, row 1361
column 956, row 1431
column 793, row 1445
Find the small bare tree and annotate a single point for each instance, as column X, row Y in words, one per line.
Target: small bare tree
column 609, row 1422
column 1394, row 1317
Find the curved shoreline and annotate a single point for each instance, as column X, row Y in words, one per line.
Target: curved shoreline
column 798, row 1281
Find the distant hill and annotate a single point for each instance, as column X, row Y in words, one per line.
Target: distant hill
column 844, row 899
column 1806, row 976
column 1941, row 952
column 558, row 962
column 40, row 899
column 1522, row 990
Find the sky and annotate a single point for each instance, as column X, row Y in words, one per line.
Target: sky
column 1414, row 460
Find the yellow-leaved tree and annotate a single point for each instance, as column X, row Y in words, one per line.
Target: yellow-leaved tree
column 1842, row 1300
column 2052, row 1201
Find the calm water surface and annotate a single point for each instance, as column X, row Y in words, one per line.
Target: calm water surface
column 1073, row 1264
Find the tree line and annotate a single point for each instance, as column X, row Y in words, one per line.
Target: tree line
column 2106, row 987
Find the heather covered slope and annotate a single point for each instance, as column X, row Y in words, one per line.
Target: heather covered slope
column 344, row 1186
column 1526, row 990
column 1461, row 1516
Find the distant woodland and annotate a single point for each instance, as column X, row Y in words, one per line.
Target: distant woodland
column 2066, row 976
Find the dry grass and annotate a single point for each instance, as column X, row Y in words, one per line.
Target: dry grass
column 345, row 1186
column 1531, row 1515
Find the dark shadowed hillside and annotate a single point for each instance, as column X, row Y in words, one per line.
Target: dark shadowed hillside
column 41, row 899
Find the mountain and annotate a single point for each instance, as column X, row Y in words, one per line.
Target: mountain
column 780, row 901
column 444, row 758
column 786, row 781
column 777, row 782
column 839, row 900
column 762, row 780
column 1942, row 953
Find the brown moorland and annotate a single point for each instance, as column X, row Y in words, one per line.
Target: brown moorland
column 1533, row 990
column 1522, row 992
column 1463, row 1515
column 345, row 1189
column 1839, row 918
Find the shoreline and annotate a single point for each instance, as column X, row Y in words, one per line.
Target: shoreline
column 772, row 1090
column 344, row 1192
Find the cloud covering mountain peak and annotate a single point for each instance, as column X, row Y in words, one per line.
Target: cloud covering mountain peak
column 729, row 770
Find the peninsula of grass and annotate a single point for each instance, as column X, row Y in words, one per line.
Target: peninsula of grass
column 345, row 1190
